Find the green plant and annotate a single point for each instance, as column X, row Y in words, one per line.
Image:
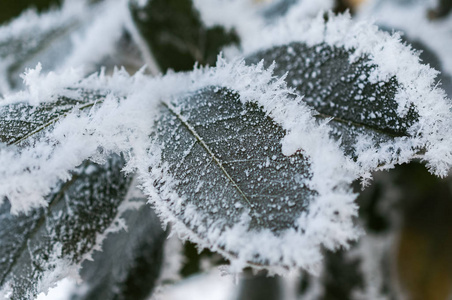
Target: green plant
column 254, row 158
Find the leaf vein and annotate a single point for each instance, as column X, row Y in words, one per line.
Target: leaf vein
column 207, row 148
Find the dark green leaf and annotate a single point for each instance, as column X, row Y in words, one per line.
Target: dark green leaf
column 22, row 120
column 48, row 46
column 339, row 89
column 260, row 286
column 130, row 261
column 176, row 35
column 65, row 232
column 226, row 160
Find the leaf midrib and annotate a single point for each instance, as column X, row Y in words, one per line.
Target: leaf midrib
column 192, row 130
column 54, row 120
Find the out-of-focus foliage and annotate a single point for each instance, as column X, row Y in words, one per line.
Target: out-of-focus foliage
column 10, row 9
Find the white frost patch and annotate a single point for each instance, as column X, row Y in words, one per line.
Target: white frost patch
column 71, row 13
column 173, row 260
column 393, row 59
column 62, row 269
column 304, row 9
column 211, row 286
column 62, row 291
column 42, row 87
column 30, row 20
column 78, row 35
column 371, row 251
column 100, row 38
column 413, row 21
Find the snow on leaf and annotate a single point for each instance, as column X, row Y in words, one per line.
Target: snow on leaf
column 432, row 38
column 338, row 89
column 49, row 244
column 62, row 137
column 383, row 103
column 21, row 120
column 218, row 151
column 236, row 165
column 78, row 35
column 30, row 35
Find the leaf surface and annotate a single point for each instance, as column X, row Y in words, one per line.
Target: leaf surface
column 21, row 120
column 341, row 90
column 130, row 261
column 44, row 38
column 63, row 39
column 227, row 159
column 382, row 104
column 227, row 185
column 49, row 244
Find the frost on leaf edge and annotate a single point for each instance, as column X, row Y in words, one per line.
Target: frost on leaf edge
column 329, row 221
column 29, row 173
column 429, row 138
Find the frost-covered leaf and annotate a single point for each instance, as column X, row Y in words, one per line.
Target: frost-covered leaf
column 383, row 104
column 51, row 243
column 21, row 120
column 227, row 159
column 431, row 38
column 177, row 36
column 68, row 134
column 233, row 179
column 78, row 35
column 130, row 261
column 341, row 90
column 27, row 37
